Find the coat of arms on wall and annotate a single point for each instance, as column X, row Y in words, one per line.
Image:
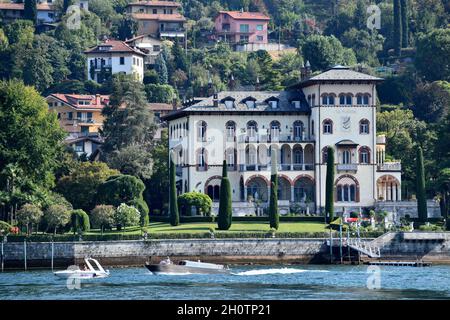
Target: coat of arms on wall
column 346, row 123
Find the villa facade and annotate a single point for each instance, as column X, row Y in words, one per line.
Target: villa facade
column 335, row 109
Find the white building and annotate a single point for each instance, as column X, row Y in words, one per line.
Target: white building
column 112, row 57
column 335, row 108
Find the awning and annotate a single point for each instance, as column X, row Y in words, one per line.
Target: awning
column 346, row 143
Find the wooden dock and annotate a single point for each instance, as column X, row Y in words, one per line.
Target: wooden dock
column 400, row 263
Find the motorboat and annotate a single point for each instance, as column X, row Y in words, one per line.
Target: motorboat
column 88, row 272
column 166, row 266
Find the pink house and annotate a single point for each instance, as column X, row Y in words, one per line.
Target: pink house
column 241, row 27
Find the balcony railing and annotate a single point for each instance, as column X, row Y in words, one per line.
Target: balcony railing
column 390, row 166
column 347, row 167
column 262, row 138
column 281, row 167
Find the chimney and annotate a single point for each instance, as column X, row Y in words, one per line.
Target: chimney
column 215, row 100
column 98, row 99
column 174, row 104
column 231, row 83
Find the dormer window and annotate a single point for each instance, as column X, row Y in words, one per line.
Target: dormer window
column 272, row 102
column 250, row 102
column 296, row 104
column 229, row 102
column 104, row 48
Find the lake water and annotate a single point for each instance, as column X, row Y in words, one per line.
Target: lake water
column 245, row 282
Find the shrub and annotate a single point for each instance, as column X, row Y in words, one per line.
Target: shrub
column 200, row 201
column 120, row 189
column 80, row 221
column 29, row 214
column 126, row 216
column 5, row 228
column 353, row 214
column 102, row 216
column 143, row 209
column 56, row 215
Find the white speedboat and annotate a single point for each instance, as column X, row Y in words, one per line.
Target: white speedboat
column 185, row 267
column 88, row 272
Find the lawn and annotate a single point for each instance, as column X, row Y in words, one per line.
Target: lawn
column 202, row 227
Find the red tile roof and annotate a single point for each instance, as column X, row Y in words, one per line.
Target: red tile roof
column 160, row 106
column 238, row 15
column 72, row 100
column 159, row 17
column 156, row 4
column 20, row 6
column 116, row 46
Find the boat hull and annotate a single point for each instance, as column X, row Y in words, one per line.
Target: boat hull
column 80, row 275
column 180, row 269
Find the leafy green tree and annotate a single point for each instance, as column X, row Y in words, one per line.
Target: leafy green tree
column 28, row 215
column 174, row 214
column 326, row 51
column 433, row 55
column 200, row 201
column 80, row 186
column 31, row 137
column 397, row 27
column 274, row 218
column 443, row 185
column 66, row 4
column 365, row 45
column 432, row 101
column 143, row 209
column 270, row 77
column 120, row 189
column 132, row 160
column 160, row 176
column 126, row 216
column 30, row 10
column 128, row 121
column 126, row 28
column 161, row 69
column 80, row 221
column 404, row 4
column 56, row 216
column 360, row 15
column 329, row 186
column 160, row 93
column 421, row 192
column 225, row 207
column 179, row 57
column 102, row 216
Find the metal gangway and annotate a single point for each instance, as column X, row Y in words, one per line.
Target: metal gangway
column 363, row 247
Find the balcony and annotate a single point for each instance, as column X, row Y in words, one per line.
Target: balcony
column 347, row 167
column 280, row 167
column 390, row 166
column 267, row 138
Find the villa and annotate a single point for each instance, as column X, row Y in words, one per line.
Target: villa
column 336, row 108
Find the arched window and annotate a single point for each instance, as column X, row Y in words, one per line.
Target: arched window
column 201, row 131
column 230, row 128
column 362, row 99
column 347, row 189
column 202, row 164
column 364, row 155
column 327, row 126
column 252, row 128
column 328, row 99
column 364, row 126
column 275, row 129
column 298, row 130
column 345, row 99
column 324, row 154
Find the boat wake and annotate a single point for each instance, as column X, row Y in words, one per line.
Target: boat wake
column 275, row 271
column 172, row 273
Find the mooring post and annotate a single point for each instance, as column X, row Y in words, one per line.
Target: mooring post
column 331, row 245
column 348, row 242
column 25, row 253
column 53, row 250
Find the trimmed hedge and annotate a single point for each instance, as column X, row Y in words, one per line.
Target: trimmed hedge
column 187, row 219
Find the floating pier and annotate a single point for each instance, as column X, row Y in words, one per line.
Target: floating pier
column 400, row 263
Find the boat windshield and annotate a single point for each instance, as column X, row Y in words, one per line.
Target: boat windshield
column 182, row 263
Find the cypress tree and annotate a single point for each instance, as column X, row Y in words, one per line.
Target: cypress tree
column 397, row 27
column 420, row 181
column 161, row 69
column 173, row 205
column 405, row 30
column 329, row 188
column 30, row 10
column 225, row 209
column 274, row 218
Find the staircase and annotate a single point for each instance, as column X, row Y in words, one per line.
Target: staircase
column 364, row 248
